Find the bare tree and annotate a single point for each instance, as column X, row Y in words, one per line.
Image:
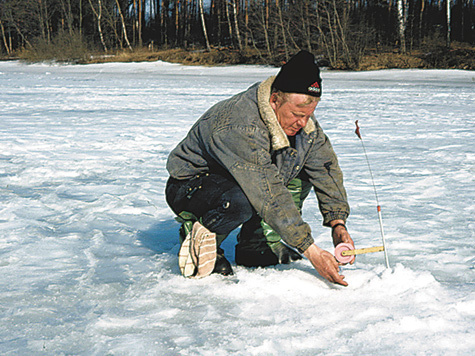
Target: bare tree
column 337, row 29
column 140, row 24
column 258, row 27
column 421, row 16
column 43, row 19
column 98, row 14
column 282, row 27
column 236, row 24
column 448, row 23
column 124, row 28
column 4, row 37
column 402, row 13
column 327, row 36
column 246, row 21
column 203, row 24
column 66, row 8
column 228, row 20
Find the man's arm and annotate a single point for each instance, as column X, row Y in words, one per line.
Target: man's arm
column 325, row 175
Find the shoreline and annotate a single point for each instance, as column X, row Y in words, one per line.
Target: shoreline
column 459, row 57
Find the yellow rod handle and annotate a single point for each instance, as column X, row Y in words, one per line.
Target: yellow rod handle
column 360, row 251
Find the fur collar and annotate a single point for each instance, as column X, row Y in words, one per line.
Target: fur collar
column 278, row 136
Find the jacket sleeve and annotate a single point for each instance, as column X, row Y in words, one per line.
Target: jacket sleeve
column 244, row 152
column 327, row 178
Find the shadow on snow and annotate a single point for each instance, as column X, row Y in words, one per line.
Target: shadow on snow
column 162, row 237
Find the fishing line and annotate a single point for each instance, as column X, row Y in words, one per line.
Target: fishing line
column 358, row 133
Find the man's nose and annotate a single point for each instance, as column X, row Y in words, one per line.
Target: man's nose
column 302, row 122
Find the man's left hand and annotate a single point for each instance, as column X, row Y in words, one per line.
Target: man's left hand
column 340, row 234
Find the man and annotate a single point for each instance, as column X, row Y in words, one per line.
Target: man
column 252, row 160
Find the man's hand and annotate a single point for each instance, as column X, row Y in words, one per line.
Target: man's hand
column 339, row 233
column 323, row 261
column 325, row 264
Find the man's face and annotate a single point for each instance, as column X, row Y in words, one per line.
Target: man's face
column 293, row 113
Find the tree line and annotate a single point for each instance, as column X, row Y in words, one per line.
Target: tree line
column 341, row 30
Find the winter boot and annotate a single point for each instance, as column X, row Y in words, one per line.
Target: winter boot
column 222, row 265
column 252, row 249
column 197, row 256
column 259, row 245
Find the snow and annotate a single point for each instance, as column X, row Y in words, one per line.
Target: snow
column 88, row 247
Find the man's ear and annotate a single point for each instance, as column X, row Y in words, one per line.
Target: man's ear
column 273, row 101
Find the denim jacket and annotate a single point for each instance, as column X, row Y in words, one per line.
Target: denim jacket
column 241, row 135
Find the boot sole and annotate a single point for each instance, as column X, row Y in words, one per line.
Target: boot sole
column 197, row 256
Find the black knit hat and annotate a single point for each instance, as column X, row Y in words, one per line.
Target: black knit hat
column 300, row 75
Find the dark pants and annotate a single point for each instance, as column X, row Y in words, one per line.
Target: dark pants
column 221, row 206
column 216, row 200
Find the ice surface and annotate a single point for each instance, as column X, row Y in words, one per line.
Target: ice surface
column 88, row 247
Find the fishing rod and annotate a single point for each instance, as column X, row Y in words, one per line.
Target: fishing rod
column 358, row 133
column 344, row 252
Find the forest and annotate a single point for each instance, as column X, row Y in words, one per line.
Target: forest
column 341, row 32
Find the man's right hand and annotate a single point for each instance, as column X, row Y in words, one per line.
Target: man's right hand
column 325, row 264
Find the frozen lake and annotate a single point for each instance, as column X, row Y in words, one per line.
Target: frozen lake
column 88, row 246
